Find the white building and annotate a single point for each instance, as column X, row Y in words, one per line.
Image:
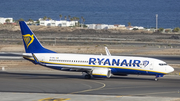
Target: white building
column 101, row 26
column 62, row 23
column 97, row 26
column 111, row 26
column 45, row 23
column 3, row 20
column 105, row 26
column 116, row 27
column 91, row 26
column 122, row 26
column 135, row 27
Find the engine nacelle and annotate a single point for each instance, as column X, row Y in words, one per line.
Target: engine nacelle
column 101, row 72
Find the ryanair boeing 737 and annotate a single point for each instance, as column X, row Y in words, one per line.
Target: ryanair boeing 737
column 90, row 65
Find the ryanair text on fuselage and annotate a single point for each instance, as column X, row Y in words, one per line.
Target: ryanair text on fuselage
column 117, row 62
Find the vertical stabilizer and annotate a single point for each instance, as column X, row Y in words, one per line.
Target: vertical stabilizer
column 31, row 43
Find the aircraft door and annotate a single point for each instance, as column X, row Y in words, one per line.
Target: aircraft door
column 151, row 66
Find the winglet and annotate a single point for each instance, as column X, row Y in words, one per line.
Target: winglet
column 107, row 52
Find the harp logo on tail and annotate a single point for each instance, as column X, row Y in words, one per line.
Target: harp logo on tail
column 28, row 39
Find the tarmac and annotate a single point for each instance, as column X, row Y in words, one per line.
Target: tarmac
column 75, row 97
column 70, row 86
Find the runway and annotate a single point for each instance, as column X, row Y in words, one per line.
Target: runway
column 72, row 83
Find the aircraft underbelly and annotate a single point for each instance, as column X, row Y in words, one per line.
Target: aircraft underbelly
column 131, row 71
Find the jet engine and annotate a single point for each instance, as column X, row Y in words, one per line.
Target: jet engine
column 101, row 72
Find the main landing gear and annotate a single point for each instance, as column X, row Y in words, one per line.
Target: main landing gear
column 87, row 75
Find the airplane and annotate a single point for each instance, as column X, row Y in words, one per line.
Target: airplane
column 91, row 66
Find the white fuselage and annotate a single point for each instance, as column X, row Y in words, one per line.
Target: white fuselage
column 117, row 64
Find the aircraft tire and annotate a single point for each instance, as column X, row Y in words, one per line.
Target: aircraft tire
column 88, row 76
column 156, row 79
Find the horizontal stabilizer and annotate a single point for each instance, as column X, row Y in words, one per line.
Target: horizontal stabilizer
column 36, row 61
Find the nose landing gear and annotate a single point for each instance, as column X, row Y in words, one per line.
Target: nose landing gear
column 156, row 79
column 157, row 76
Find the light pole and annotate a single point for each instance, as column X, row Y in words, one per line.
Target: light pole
column 156, row 21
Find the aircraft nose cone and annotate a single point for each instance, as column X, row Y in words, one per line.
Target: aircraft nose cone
column 170, row 69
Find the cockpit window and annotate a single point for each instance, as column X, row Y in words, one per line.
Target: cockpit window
column 162, row 64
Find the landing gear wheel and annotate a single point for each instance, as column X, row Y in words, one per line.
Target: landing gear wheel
column 87, row 76
column 156, row 79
